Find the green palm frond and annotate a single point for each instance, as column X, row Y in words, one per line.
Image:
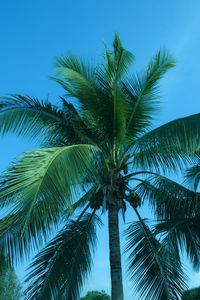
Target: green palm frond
column 142, row 93
column 83, row 201
column 192, row 176
column 97, row 91
column 177, row 210
column 78, row 77
column 116, row 66
column 168, row 198
column 76, row 64
column 27, row 116
column 18, row 243
column 184, row 233
column 117, row 62
column 5, row 263
column 95, row 104
column 87, row 197
column 153, row 266
column 44, row 182
column 60, row 269
column 82, row 129
column 171, row 146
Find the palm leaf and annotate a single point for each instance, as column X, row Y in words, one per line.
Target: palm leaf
column 96, row 105
column 168, row 198
column 18, row 243
column 116, row 66
column 83, row 132
column 43, row 183
column 177, row 210
column 117, row 63
column 97, row 90
column 83, row 201
column 77, row 65
column 60, row 269
column 78, row 77
column 183, row 232
column 39, row 120
column 142, row 93
column 192, row 176
column 153, row 267
column 170, row 146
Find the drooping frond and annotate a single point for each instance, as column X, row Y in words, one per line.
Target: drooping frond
column 168, row 147
column 153, row 266
column 184, row 232
column 43, row 183
column 60, row 269
column 83, row 201
column 87, row 197
column 36, row 119
column 168, row 198
column 18, row 243
column 177, row 210
column 142, row 93
column 192, row 175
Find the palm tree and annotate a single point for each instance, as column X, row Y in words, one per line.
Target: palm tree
column 98, row 155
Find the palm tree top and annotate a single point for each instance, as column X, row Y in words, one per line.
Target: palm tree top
column 98, row 154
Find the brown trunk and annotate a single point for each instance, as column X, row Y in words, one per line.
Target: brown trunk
column 115, row 255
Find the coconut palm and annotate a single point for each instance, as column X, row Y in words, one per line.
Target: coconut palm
column 98, row 155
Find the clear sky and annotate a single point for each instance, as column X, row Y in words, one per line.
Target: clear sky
column 32, row 33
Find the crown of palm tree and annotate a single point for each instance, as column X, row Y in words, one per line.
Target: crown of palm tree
column 98, row 153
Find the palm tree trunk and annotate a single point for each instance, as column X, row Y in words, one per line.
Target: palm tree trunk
column 115, row 255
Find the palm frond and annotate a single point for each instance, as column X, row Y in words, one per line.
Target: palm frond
column 18, row 243
column 192, row 176
column 76, row 64
column 61, row 268
column 177, row 210
column 43, row 183
column 36, row 119
column 171, row 146
column 168, row 198
column 96, row 90
column 183, row 232
column 78, row 77
column 153, row 266
column 80, row 203
column 117, row 63
column 82, row 128
column 109, row 77
column 95, row 104
column 142, row 93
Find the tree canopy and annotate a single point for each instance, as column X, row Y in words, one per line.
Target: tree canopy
column 193, row 294
column 100, row 154
column 10, row 287
column 96, row 295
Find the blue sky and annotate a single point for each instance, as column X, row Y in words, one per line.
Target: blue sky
column 32, row 33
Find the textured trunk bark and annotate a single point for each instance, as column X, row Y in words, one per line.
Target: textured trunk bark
column 115, row 255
